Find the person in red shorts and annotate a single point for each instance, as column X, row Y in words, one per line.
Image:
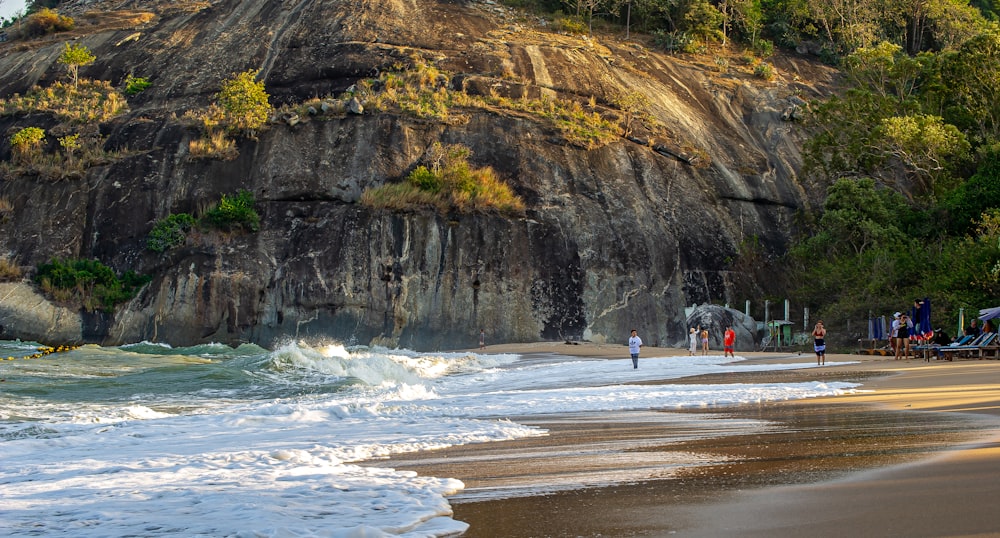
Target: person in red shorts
column 728, row 341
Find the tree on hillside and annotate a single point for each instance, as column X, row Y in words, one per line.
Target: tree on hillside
column 859, row 255
column 972, row 79
column 748, row 19
column 703, row 20
column 858, row 216
column 850, row 23
column 989, row 8
column 244, row 102
column 928, row 148
column 847, row 139
column 978, row 194
column 952, row 22
column 74, row 57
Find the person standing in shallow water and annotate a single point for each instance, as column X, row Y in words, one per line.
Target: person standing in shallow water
column 819, row 343
column 482, row 338
column 729, row 342
column 634, row 343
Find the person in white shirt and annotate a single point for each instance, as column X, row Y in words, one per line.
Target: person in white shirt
column 634, row 343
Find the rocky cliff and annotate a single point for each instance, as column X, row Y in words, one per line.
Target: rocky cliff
column 614, row 237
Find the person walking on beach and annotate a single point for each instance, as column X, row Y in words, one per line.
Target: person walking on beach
column 903, row 337
column 634, row 343
column 704, row 341
column 819, row 343
column 693, row 336
column 729, row 341
column 482, row 338
column 893, row 332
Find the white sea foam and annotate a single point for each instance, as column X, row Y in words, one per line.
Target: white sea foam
column 147, row 448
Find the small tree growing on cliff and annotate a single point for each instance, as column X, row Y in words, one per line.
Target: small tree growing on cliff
column 74, row 57
column 26, row 144
column 633, row 106
column 244, row 102
column 70, row 145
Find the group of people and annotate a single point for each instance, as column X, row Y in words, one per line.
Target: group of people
column 700, row 334
column 901, row 331
column 696, row 335
column 899, row 335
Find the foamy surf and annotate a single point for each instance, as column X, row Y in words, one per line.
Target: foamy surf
column 148, row 440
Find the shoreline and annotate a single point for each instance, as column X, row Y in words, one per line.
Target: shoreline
column 933, row 474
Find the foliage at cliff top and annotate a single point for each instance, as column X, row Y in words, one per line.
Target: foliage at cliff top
column 90, row 101
column 831, row 28
column 88, row 283
column 450, row 184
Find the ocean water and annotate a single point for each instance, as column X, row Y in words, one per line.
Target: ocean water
column 149, row 440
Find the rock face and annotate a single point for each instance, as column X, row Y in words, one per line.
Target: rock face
column 616, row 237
column 28, row 315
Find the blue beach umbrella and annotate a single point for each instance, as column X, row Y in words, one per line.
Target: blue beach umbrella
column 876, row 328
column 922, row 316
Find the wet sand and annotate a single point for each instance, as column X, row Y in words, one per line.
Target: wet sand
column 919, row 455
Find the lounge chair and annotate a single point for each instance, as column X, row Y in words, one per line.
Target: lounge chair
column 973, row 349
column 927, row 349
column 990, row 350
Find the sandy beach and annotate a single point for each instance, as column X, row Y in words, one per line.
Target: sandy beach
column 916, row 454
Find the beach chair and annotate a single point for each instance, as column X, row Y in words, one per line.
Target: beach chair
column 971, row 350
column 935, row 349
column 990, row 350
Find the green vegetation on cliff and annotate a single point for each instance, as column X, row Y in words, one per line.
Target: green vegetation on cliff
column 232, row 213
column 90, row 101
column 169, row 232
column 27, row 144
column 910, row 149
column 88, row 284
column 424, row 91
column 450, row 184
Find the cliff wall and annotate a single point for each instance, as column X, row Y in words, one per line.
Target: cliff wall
column 619, row 236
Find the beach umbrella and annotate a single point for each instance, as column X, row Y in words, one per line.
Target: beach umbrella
column 876, row 328
column 989, row 313
column 923, row 317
